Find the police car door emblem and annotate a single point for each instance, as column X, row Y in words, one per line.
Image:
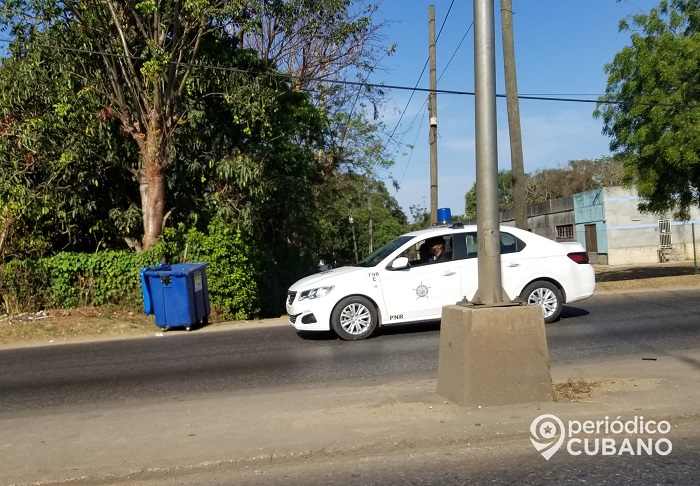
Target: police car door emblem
column 421, row 291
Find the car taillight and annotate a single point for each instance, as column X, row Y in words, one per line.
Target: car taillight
column 579, row 256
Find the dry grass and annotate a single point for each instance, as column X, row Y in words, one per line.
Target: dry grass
column 573, row 390
column 60, row 325
column 649, row 283
column 653, row 275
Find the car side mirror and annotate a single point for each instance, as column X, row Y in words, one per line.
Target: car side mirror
column 399, row 263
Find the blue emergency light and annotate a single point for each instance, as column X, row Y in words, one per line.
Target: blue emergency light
column 444, row 216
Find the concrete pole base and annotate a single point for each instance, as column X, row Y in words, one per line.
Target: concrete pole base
column 493, row 356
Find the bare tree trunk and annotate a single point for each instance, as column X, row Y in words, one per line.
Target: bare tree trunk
column 154, row 205
column 152, row 181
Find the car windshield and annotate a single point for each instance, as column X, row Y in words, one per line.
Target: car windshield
column 378, row 255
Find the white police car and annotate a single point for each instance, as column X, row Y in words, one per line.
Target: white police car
column 397, row 283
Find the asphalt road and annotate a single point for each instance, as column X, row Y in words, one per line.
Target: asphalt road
column 504, row 463
column 181, row 365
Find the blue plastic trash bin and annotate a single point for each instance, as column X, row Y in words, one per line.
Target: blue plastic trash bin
column 176, row 294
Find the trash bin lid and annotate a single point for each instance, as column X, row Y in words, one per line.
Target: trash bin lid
column 174, row 270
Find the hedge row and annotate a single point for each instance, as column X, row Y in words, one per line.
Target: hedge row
column 70, row 280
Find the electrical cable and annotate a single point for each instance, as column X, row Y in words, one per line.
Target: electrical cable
column 423, row 110
column 366, row 84
column 391, row 136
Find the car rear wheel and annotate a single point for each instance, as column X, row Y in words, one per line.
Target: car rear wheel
column 547, row 296
column 354, row 318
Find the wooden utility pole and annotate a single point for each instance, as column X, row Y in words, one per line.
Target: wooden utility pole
column 432, row 107
column 516, row 144
column 370, row 228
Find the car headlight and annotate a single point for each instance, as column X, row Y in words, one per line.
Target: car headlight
column 316, row 293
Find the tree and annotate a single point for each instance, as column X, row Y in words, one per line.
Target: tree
column 420, row 216
column 323, row 44
column 140, row 57
column 315, row 41
column 544, row 184
column 148, row 61
column 651, row 109
column 59, row 160
column 346, row 196
column 505, row 195
column 576, row 176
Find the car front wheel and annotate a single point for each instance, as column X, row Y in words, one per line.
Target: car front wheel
column 354, row 318
column 547, row 296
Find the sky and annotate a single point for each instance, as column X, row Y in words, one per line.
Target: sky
column 561, row 49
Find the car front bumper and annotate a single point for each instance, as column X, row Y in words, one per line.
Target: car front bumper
column 310, row 314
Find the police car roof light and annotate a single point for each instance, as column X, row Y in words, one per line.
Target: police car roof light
column 444, row 216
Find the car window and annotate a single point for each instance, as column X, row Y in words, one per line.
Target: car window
column 419, row 254
column 378, row 255
column 413, row 253
column 472, row 246
column 509, row 244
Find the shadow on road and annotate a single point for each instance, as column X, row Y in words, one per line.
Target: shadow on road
column 388, row 330
column 392, row 329
column 568, row 311
column 318, row 335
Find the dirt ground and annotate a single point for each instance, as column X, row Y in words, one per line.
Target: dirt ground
column 56, row 325
column 671, row 274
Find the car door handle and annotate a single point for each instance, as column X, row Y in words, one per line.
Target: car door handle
column 513, row 264
column 447, row 274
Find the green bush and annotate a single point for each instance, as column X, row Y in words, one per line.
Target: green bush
column 69, row 280
column 230, row 274
column 23, row 285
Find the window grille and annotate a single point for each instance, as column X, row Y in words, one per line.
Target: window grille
column 565, row 232
column 665, row 233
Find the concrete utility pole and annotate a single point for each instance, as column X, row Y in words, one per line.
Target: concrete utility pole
column 516, row 144
column 432, row 107
column 487, row 221
column 492, row 352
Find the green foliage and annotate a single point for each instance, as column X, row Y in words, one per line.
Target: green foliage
column 80, row 121
column 505, row 195
column 23, row 285
column 651, row 109
column 364, row 199
column 230, row 274
column 545, row 184
column 60, row 159
column 110, row 277
column 421, row 217
column 75, row 279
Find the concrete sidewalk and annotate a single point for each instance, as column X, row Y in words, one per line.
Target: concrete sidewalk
column 142, row 440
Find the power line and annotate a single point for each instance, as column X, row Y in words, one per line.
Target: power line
column 423, row 111
column 415, row 89
column 364, row 83
column 455, row 51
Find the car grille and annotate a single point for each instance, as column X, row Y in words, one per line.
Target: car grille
column 290, row 297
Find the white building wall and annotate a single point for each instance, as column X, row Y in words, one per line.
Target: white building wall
column 633, row 237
